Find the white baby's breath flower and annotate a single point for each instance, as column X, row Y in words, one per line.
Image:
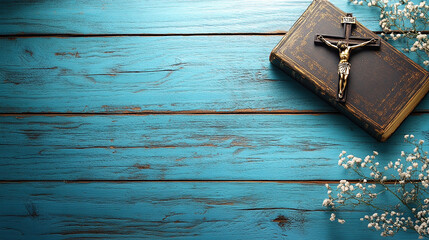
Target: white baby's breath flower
column 327, row 202
column 387, row 222
column 421, row 36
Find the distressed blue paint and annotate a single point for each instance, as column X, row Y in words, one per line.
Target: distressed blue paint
column 184, row 210
column 215, row 147
column 133, row 74
column 160, row 16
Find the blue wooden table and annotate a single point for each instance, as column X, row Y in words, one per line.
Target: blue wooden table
column 164, row 119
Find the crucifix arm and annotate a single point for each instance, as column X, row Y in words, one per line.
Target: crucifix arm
column 373, row 40
column 321, row 38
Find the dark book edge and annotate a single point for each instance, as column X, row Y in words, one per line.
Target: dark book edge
column 409, row 107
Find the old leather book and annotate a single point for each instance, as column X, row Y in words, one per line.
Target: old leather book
column 384, row 86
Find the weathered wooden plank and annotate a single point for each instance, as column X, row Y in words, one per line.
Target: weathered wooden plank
column 134, row 74
column 155, row 16
column 184, row 210
column 200, row 147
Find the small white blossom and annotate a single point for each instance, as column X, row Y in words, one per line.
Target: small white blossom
column 421, row 36
column 387, row 222
column 327, row 202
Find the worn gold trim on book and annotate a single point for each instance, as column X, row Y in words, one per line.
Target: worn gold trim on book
column 390, row 129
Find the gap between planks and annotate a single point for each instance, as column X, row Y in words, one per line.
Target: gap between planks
column 71, row 35
column 189, row 112
column 317, row 182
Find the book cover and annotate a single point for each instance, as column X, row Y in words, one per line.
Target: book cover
column 384, row 85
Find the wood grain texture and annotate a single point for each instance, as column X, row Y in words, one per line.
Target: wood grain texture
column 102, row 80
column 138, row 74
column 200, row 147
column 160, row 16
column 175, row 210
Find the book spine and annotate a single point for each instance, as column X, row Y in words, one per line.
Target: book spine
column 285, row 67
column 294, row 73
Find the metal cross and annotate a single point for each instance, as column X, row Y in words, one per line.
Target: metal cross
column 345, row 44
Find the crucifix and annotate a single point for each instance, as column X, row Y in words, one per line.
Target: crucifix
column 345, row 44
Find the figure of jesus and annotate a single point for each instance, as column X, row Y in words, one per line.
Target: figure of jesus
column 344, row 65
